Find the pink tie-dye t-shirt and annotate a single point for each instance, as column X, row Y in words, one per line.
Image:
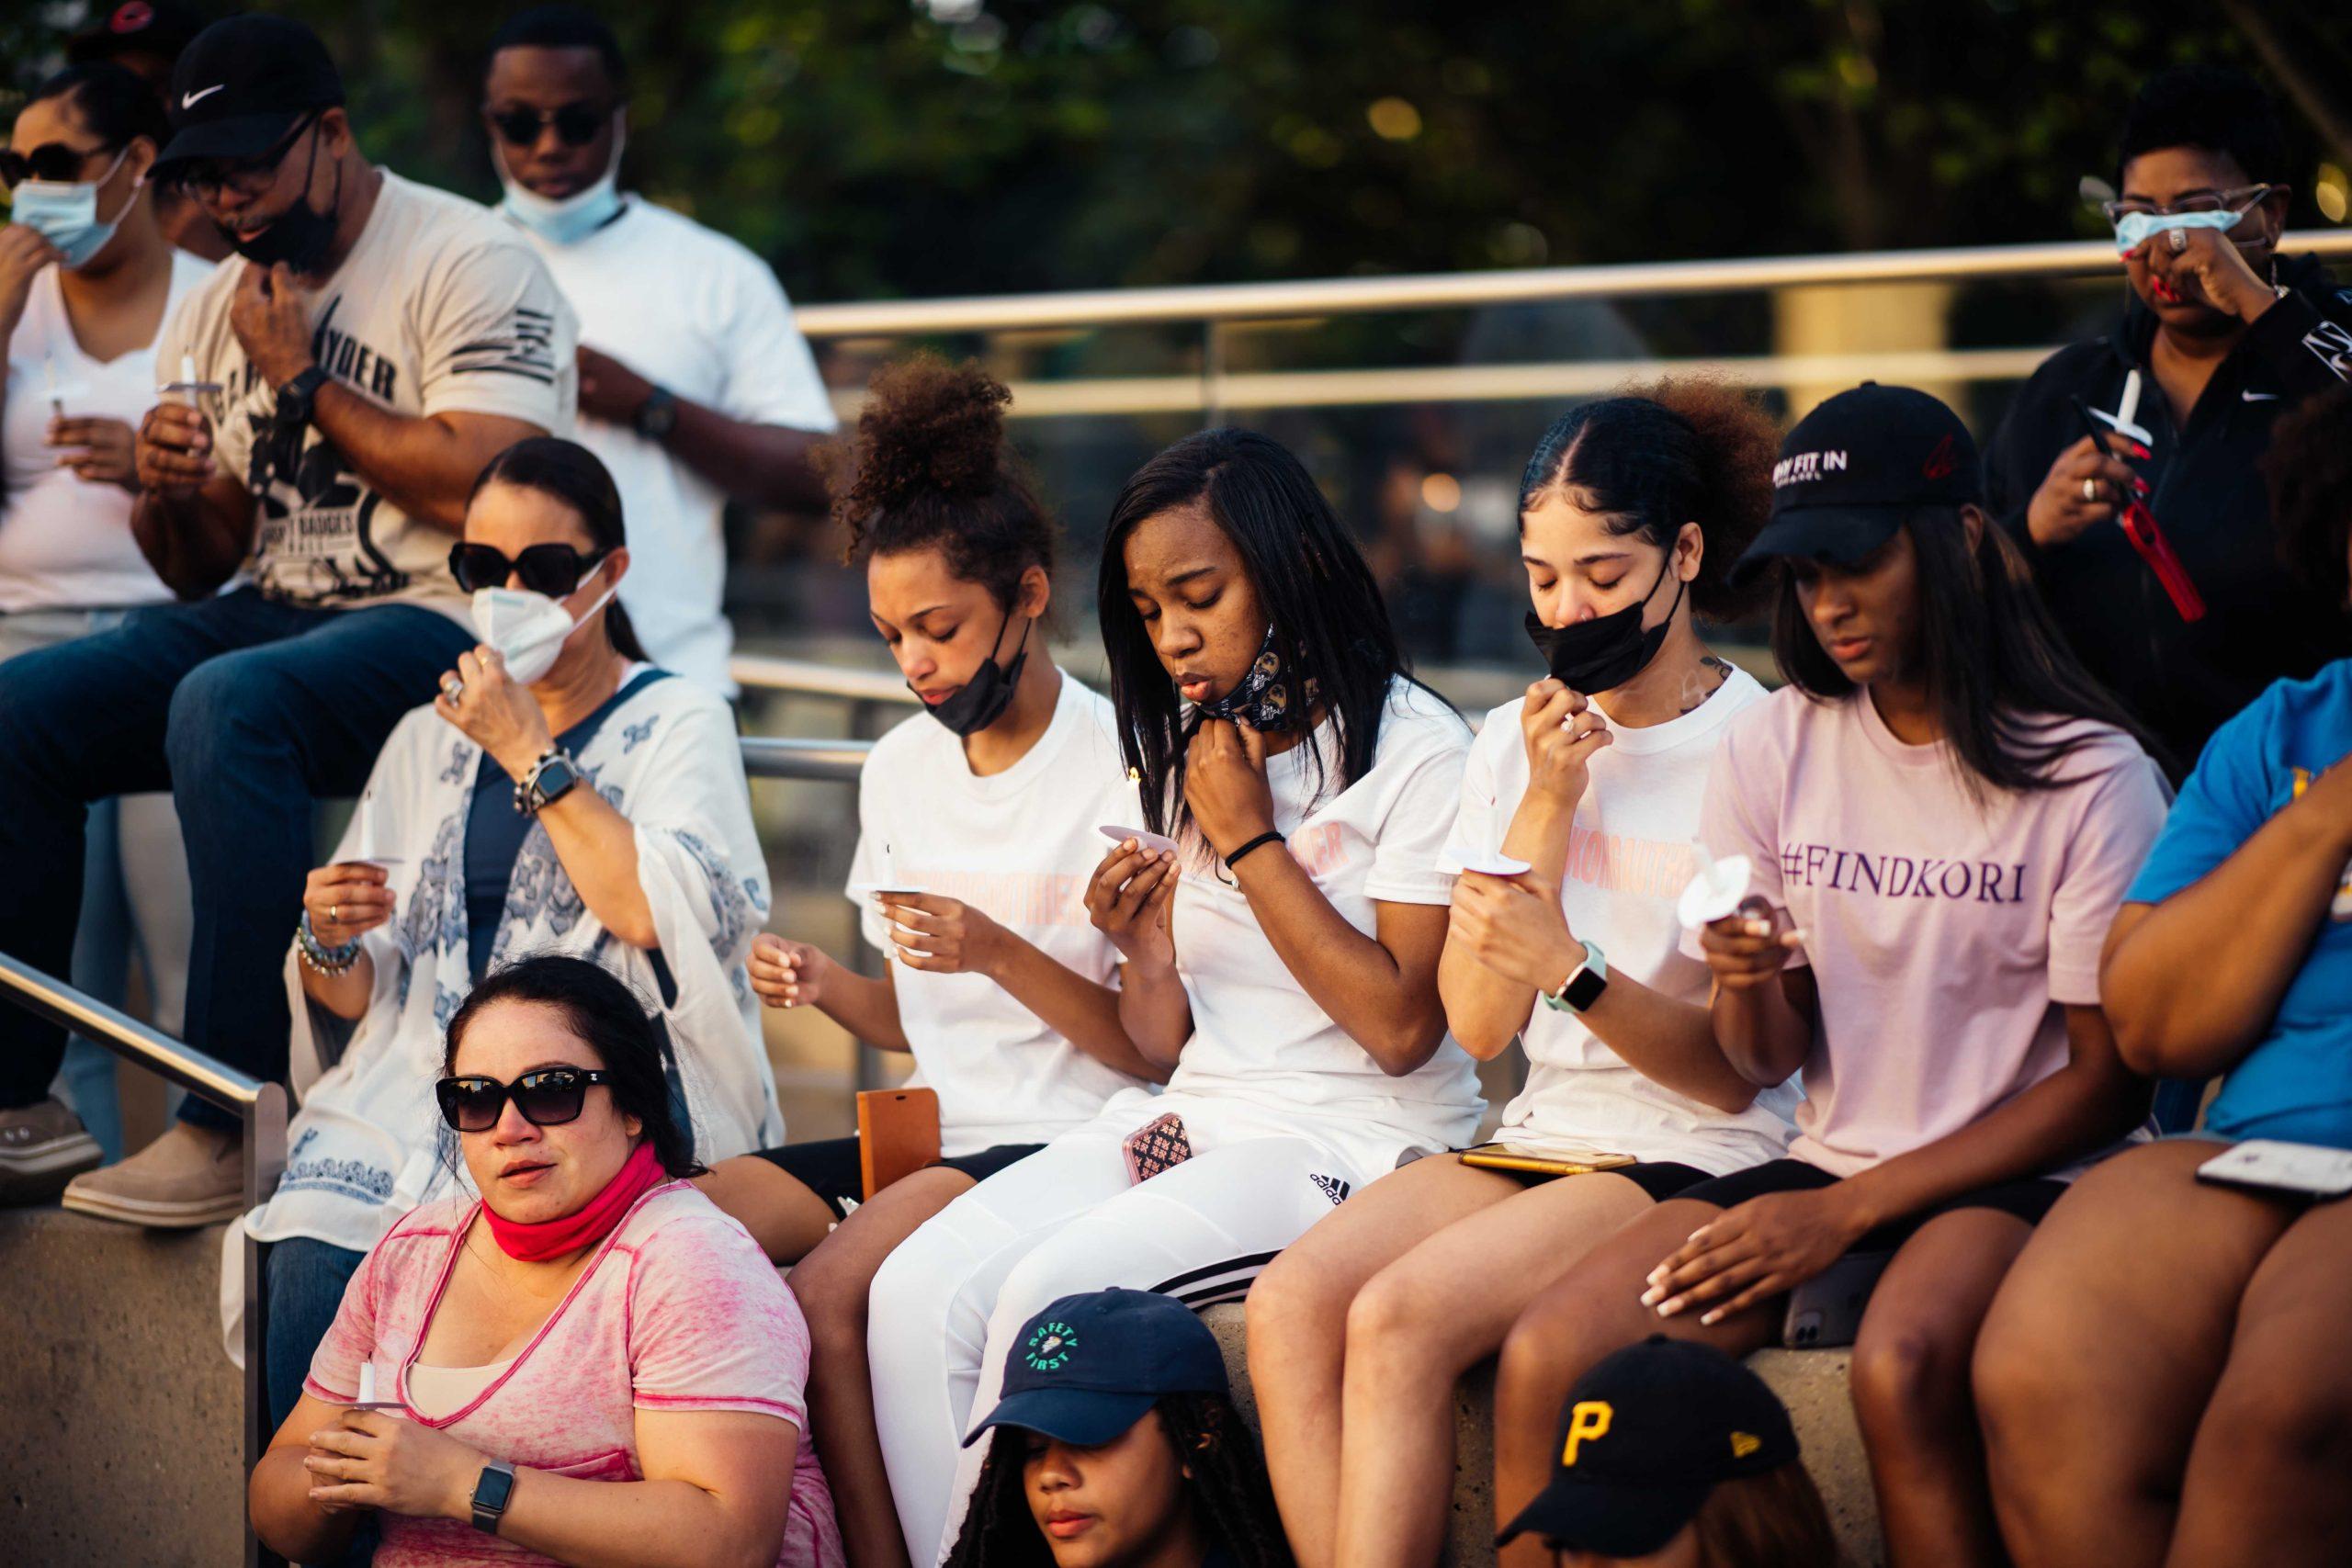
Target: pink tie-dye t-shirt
column 680, row 1311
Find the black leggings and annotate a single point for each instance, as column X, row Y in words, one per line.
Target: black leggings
column 830, row 1167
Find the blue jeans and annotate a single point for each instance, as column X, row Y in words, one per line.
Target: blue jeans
column 246, row 710
column 305, row 1282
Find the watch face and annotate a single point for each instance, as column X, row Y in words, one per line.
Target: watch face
column 492, row 1490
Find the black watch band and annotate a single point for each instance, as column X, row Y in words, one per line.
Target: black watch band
column 295, row 398
column 492, row 1491
column 657, row 415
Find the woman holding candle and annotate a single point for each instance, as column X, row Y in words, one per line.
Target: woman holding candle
column 87, row 282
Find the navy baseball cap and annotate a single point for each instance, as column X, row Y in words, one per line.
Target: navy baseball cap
column 1644, row 1438
column 1855, row 468
column 1089, row 1367
column 242, row 85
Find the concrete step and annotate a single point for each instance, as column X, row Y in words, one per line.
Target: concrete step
column 120, row 1442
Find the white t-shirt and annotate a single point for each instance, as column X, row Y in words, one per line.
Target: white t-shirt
column 438, row 308
column 1256, row 1036
column 1019, row 847
column 693, row 311
column 1629, row 856
column 1946, row 934
column 65, row 543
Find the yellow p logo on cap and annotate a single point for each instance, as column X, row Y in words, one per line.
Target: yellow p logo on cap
column 1587, row 1422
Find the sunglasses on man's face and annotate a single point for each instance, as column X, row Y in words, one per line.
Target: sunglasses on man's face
column 206, row 178
column 52, row 161
column 549, row 1098
column 576, row 125
column 553, row 570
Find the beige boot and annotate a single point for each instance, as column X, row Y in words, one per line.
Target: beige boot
column 189, row 1177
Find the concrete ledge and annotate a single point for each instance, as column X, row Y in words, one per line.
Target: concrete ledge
column 122, row 1436
column 1811, row 1383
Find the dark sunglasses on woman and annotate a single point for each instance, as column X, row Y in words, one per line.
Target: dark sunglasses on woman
column 548, row 1098
column 576, row 125
column 52, row 161
column 554, row 570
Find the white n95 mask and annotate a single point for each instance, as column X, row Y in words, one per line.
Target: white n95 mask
column 528, row 630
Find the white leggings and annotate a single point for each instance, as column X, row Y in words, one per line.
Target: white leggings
column 947, row 1304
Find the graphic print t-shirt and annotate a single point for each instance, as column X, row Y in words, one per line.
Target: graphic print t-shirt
column 1019, row 847
column 1629, row 858
column 439, row 308
column 1946, row 932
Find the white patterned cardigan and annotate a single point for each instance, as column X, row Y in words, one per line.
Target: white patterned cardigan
column 366, row 1147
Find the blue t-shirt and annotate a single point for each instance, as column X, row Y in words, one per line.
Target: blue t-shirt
column 2296, row 1083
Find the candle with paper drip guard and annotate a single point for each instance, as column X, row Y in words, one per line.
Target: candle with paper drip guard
column 1718, row 889
column 888, row 880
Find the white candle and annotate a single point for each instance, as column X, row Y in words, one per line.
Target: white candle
column 187, row 374
column 367, row 1383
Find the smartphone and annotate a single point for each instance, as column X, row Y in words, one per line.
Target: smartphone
column 1502, row 1157
column 1827, row 1310
column 898, row 1134
column 1157, row 1146
column 2294, row 1171
column 1143, row 836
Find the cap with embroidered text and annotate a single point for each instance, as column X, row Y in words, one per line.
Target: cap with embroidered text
column 1089, row 1367
column 1855, row 469
column 242, row 85
column 1644, row 1438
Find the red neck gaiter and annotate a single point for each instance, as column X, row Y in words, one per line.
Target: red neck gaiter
column 537, row 1241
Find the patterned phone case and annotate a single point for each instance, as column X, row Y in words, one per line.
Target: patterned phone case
column 1155, row 1147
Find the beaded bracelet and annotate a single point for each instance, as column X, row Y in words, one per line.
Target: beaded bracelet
column 320, row 958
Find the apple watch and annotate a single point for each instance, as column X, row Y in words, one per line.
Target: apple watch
column 657, row 415
column 1584, row 985
column 551, row 779
column 492, row 1493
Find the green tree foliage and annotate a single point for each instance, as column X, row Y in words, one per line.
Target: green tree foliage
column 876, row 148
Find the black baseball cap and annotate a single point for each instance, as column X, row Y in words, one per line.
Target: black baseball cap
column 1644, row 1438
column 162, row 28
column 1089, row 1367
column 242, row 86
column 1855, row 468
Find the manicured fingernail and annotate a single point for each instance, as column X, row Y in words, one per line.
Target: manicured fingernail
column 1667, row 1308
column 1708, row 1320
column 1760, row 927
column 1650, row 1297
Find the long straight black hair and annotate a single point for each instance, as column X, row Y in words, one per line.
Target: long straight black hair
column 2000, row 675
column 1330, row 625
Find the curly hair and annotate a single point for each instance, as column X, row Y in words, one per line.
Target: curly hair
column 2309, row 467
column 928, row 468
column 1226, row 1490
column 1656, row 456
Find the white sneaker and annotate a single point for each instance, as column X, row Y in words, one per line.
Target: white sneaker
column 41, row 1145
column 189, row 1177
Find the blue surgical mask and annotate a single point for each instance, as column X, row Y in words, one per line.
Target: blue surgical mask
column 2136, row 228
column 573, row 218
column 66, row 213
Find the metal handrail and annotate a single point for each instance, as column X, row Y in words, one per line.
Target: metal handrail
column 260, row 1110
column 834, row 762
column 1356, row 296
column 769, row 671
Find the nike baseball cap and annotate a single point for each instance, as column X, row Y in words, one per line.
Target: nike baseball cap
column 1854, row 469
column 242, row 85
column 1644, row 1438
column 1089, row 1367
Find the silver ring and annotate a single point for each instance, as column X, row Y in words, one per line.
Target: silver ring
column 452, row 688
column 334, row 914
column 2091, row 493
column 2179, row 241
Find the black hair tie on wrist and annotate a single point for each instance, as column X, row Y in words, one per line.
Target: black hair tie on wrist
column 1263, row 839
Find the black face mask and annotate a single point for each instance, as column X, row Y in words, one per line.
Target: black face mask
column 299, row 237
column 1604, row 653
column 1261, row 697
column 981, row 701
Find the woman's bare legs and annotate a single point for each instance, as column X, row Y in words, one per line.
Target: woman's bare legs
column 1593, row 1309
column 2102, row 1349
column 1911, row 1389
column 1418, row 1326
column 784, row 1216
column 2266, row 1478
column 831, row 1283
column 1298, row 1324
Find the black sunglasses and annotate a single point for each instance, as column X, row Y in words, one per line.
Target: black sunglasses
column 553, row 569
column 52, row 161
column 575, row 124
column 549, row 1098
column 206, row 177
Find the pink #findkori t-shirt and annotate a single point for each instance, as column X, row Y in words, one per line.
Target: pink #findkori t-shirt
column 680, row 1311
column 1947, row 933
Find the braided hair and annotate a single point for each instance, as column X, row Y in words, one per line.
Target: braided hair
column 1226, row 1490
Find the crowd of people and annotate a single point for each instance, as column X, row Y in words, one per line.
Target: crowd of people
column 1980, row 994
